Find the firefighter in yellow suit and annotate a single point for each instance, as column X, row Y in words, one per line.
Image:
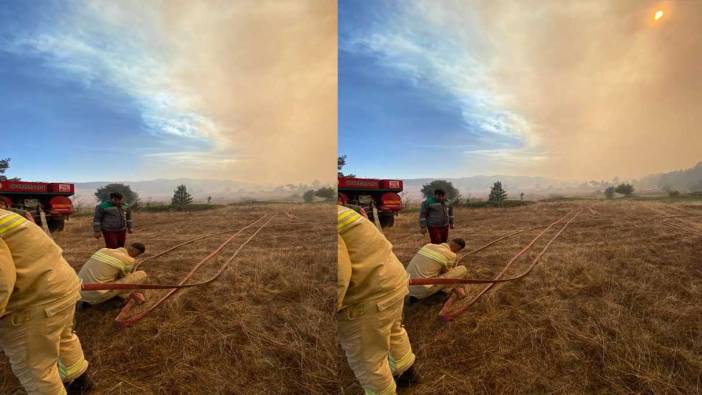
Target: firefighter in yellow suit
column 437, row 261
column 372, row 284
column 38, row 294
column 112, row 266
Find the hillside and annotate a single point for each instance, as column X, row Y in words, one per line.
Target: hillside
column 685, row 180
column 221, row 191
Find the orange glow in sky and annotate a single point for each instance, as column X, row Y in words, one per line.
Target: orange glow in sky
column 658, row 15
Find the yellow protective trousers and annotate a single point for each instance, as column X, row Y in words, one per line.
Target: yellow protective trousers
column 424, row 291
column 43, row 349
column 376, row 344
column 97, row 297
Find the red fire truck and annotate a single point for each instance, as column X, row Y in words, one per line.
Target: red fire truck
column 381, row 195
column 37, row 197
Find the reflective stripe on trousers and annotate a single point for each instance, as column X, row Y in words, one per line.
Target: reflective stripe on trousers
column 376, row 344
column 37, row 342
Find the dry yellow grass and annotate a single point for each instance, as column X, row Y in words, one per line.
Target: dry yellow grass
column 613, row 307
column 266, row 326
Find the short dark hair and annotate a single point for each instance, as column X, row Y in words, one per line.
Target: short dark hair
column 439, row 192
column 459, row 242
column 138, row 246
column 116, row 195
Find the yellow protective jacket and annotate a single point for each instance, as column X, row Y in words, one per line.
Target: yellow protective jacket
column 431, row 261
column 367, row 268
column 106, row 265
column 33, row 273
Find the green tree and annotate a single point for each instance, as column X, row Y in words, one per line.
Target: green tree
column 308, row 196
column 340, row 163
column 131, row 197
column 452, row 194
column 497, row 193
column 625, row 189
column 4, row 165
column 609, row 193
column 209, row 199
column 327, row 193
column 181, row 197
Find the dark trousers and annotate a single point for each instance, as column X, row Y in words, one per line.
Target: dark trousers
column 114, row 238
column 438, row 234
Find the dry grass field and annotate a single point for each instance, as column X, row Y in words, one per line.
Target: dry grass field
column 266, row 326
column 613, row 307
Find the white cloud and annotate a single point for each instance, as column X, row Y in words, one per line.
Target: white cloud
column 413, row 42
column 144, row 77
column 253, row 83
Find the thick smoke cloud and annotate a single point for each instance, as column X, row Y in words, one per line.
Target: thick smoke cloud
column 266, row 73
column 256, row 81
column 605, row 90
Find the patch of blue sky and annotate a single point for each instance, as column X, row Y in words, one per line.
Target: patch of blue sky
column 73, row 91
column 409, row 90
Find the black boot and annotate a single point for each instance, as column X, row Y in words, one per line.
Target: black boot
column 82, row 385
column 407, row 378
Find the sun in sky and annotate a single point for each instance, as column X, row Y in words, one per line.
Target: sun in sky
column 658, row 15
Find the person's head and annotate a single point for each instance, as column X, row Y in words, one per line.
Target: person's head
column 135, row 249
column 457, row 244
column 116, row 198
column 3, row 204
column 439, row 195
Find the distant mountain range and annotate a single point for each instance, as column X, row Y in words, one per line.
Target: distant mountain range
column 221, row 191
column 686, row 180
column 227, row 191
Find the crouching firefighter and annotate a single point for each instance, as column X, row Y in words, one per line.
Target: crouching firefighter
column 437, row 261
column 112, row 266
column 38, row 295
column 372, row 284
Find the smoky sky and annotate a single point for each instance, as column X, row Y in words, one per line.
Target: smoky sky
column 566, row 89
column 606, row 90
column 242, row 90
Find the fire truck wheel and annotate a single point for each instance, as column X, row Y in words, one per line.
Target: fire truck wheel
column 387, row 220
column 55, row 225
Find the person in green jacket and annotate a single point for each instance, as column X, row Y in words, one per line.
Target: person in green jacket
column 113, row 220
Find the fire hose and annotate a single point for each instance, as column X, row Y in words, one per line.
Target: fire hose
column 190, row 241
column 445, row 313
column 123, row 320
column 175, row 247
column 448, row 316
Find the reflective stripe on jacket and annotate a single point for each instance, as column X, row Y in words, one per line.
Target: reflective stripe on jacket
column 431, row 261
column 374, row 272
column 105, row 266
column 33, row 272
